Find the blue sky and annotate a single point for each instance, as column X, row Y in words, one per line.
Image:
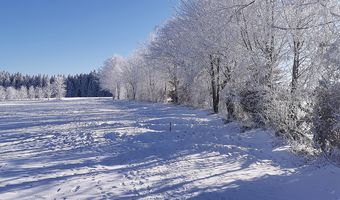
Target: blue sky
column 74, row 36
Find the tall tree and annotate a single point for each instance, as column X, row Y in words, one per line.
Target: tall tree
column 110, row 75
column 59, row 87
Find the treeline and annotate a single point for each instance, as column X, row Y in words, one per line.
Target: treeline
column 267, row 63
column 38, row 86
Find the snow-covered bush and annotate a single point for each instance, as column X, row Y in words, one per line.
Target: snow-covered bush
column 326, row 116
column 326, row 119
column 285, row 116
column 273, row 108
column 254, row 102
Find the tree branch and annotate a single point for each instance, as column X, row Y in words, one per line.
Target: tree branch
column 306, row 27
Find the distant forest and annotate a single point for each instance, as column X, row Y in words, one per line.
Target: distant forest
column 80, row 85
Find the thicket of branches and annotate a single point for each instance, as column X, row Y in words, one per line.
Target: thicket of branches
column 267, row 63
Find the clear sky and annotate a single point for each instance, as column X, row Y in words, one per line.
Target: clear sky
column 74, row 36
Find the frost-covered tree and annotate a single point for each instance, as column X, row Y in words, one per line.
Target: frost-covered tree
column 210, row 55
column 31, row 92
column 132, row 75
column 152, row 82
column 39, row 93
column 48, row 90
column 58, row 86
column 164, row 49
column 110, row 75
column 11, row 93
column 22, row 93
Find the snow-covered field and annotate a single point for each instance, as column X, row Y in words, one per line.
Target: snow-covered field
column 95, row 148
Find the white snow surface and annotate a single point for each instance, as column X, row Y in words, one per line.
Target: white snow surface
column 96, row 148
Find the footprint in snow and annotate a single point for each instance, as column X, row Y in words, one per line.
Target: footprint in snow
column 76, row 189
column 128, row 177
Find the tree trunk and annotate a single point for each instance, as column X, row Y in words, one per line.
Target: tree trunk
column 230, row 109
column 294, row 86
column 118, row 91
column 296, row 65
column 214, row 86
column 218, row 86
column 175, row 84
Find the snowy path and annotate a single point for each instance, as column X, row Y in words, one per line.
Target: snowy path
column 99, row 149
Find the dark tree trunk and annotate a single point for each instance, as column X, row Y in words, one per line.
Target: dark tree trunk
column 175, row 83
column 296, row 65
column 215, row 86
column 230, row 109
column 295, row 77
column 118, row 91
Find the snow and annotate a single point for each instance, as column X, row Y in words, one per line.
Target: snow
column 96, row 148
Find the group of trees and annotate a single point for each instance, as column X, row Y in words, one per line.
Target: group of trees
column 17, row 80
column 15, row 88
column 84, row 85
column 267, row 63
column 18, row 86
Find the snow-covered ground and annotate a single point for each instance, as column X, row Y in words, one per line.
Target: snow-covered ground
column 95, row 148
